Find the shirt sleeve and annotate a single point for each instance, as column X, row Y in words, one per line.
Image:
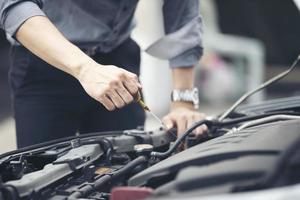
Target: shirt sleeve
column 182, row 43
column 13, row 13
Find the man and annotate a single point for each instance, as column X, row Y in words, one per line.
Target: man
column 83, row 63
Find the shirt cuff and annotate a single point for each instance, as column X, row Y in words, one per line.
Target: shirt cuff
column 187, row 59
column 174, row 44
column 18, row 14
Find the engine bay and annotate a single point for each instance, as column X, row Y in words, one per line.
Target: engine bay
column 252, row 149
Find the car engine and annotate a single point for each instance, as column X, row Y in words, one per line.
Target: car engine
column 255, row 148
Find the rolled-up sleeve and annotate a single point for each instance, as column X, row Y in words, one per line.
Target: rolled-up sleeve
column 13, row 13
column 182, row 43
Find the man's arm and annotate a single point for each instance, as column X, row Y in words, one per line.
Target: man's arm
column 182, row 45
column 110, row 85
column 52, row 47
column 183, row 114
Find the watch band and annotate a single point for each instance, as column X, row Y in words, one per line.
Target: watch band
column 189, row 95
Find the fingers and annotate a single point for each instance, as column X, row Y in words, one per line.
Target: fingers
column 122, row 90
column 176, row 120
column 184, row 120
column 132, row 86
column 190, row 122
column 116, row 99
column 201, row 129
column 168, row 122
column 134, row 79
column 181, row 123
column 127, row 86
column 131, row 82
column 195, row 117
column 125, row 95
column 108, row 104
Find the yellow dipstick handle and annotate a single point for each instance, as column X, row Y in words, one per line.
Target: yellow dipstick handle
column 138, row 99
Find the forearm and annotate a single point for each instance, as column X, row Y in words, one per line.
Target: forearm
column 183, row 78
column 42, row 38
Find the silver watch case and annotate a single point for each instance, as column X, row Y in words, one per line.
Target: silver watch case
column 191, row 95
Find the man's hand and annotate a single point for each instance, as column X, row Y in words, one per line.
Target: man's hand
column 112, row 86
column 182, row 116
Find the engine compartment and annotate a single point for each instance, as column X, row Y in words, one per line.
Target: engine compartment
column 253, row 149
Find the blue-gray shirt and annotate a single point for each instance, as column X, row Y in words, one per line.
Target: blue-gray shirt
column 107, row 23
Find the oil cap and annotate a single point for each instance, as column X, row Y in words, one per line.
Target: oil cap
column 143, row 149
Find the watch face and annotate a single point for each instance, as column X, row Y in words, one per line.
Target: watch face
column 186, row 96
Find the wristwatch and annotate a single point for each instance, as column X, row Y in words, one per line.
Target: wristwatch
column 190, row 95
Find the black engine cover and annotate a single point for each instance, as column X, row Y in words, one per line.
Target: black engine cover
column 221, row 164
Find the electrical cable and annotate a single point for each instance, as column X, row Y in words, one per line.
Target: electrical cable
column 167, row 153
column 253, row 117
column 214, row 122
column 262, row 121
column 266, row 120
column 262, row 86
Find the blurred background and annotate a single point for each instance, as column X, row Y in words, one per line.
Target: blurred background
column 246, row 42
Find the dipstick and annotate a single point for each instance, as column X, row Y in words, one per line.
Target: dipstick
column 139, row 100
